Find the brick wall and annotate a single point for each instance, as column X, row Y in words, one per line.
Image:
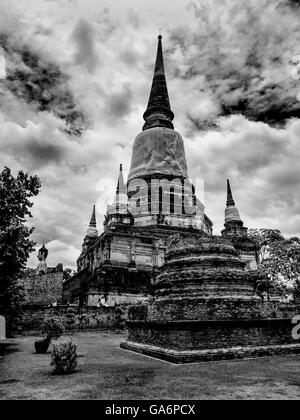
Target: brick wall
column 73, row 318
column 201, row 335
column 214, row 309
column 44, row 289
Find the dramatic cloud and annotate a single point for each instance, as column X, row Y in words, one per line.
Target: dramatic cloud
column 40, row 84
column 119, row 104
column 239, row 58
column 84, row 37
column 2, row 67
column 74, row 83
column 262, row 163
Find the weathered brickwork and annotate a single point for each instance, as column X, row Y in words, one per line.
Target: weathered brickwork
column 44, row 289
column 201, row 335
column 192, row 356
column 72, row 318
column 205, row 307
column 218, row 309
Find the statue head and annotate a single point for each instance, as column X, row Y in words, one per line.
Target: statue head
column 43, row 253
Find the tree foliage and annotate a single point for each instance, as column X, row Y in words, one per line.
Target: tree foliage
column 68, row 273
column 279, row 260
column 15, row 244
column 52, row 328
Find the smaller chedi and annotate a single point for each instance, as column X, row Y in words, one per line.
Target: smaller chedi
column 42, row 257
column 237, row 233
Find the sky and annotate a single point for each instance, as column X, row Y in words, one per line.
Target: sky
column 75, row 77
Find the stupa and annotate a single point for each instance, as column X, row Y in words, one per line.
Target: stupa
column 205, row 308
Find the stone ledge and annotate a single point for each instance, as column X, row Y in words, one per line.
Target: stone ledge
column 192, row 356
column 196, row 324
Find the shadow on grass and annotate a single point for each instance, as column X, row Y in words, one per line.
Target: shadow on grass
column 9, row 382
column 65, row 375
column 8, row 348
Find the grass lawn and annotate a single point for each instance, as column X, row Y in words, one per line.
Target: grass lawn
column 107, row 372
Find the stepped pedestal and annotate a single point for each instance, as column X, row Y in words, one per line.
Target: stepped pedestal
column 205, row 308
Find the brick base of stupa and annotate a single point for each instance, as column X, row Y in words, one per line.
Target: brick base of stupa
column 200, row 341
column 205, row 308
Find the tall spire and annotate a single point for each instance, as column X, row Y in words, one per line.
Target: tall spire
column 92, row 231
column 159, row 113
column 231, row 213
column 93, row 222
column 121, row 199
column 230, row 200
column 121, row 185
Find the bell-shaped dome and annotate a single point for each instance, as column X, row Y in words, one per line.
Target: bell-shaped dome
column 158, row 150
column 232, row 214
column 92, row 232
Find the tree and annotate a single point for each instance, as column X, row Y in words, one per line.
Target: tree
column 15, row 243
column 279, row 260
column 68, row 273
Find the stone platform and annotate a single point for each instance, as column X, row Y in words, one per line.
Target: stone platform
column 196, row 341
column 205, row 308
column 194, row 356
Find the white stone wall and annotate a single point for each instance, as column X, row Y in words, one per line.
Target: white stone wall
column 250, row 260
column 97, row 299
column 125, row 250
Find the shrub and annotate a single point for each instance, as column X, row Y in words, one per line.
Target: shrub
column 52, row 328
column 84, row 320
column 71, row 318
column 119, row 318
column 64, row 357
